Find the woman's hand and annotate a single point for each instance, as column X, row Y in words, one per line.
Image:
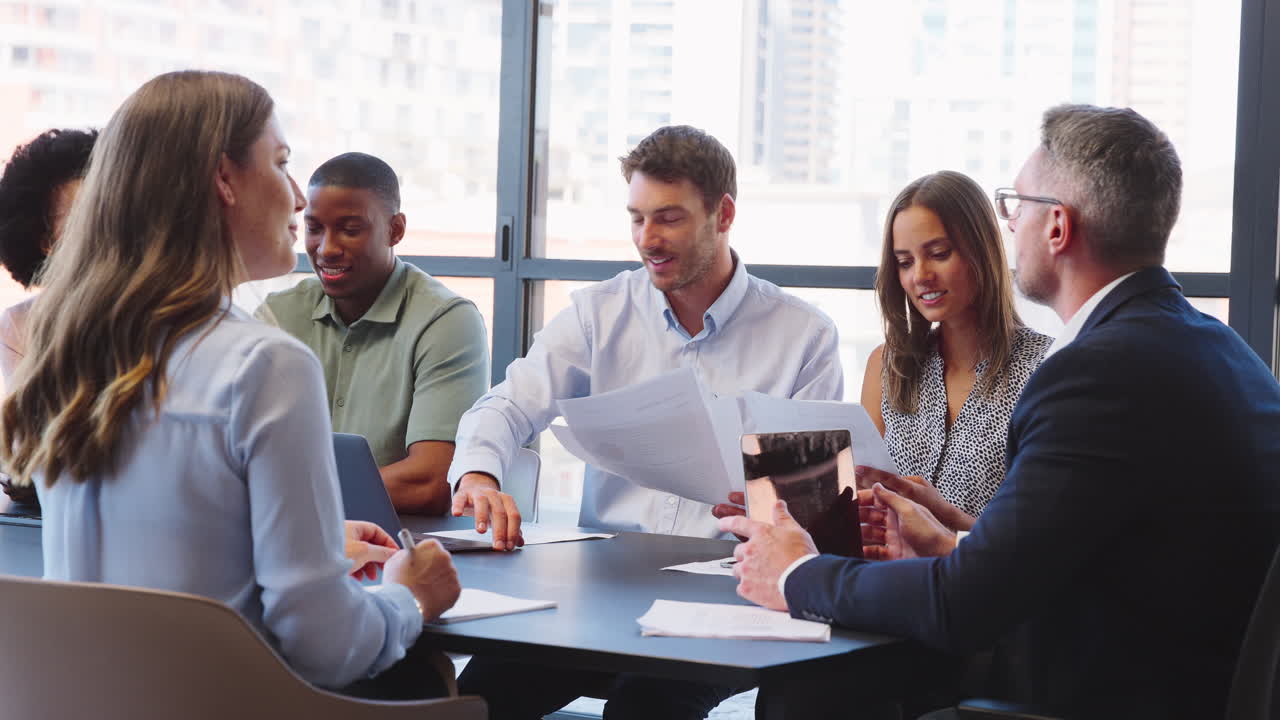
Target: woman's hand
column 917, row 490
column 894, row 527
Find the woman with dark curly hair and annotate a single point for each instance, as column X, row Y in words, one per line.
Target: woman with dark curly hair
column 36, row 191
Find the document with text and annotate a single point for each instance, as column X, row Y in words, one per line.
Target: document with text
column 728, row 622
column 670, row 434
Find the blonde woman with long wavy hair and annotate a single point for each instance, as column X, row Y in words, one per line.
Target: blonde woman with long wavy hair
column 176, row 443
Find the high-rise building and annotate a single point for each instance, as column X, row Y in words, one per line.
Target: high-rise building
column 791, row 89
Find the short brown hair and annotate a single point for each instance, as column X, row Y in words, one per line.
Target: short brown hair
column 1121, row 175
column 681, row 152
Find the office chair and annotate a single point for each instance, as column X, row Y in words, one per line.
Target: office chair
column 119, row 653
column 521, row 482
column 1253, row 694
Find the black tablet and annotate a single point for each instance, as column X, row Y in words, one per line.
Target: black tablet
column 813, row 471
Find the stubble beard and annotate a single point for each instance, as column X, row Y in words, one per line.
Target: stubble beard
column 701, row 258
column 1032, row 288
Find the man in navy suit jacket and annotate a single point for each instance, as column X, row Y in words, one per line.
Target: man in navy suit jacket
column 1141, row 506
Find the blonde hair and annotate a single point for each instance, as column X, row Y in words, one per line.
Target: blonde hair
column 970, row 223
column 145, row 259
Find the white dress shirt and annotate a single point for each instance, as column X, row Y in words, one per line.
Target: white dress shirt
column 622, row 331
column 231, row 492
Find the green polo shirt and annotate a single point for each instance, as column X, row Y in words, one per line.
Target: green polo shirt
column 405, row 371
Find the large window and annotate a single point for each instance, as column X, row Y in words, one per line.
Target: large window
column 505, row 119
column 830, row 108
column 414, row 82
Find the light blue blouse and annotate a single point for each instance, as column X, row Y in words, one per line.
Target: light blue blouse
column 231, row 492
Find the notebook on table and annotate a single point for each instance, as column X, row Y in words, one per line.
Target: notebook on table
column 364, row 497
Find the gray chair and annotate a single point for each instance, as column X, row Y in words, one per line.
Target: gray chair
column 1254, row 687
column 521, row 482
column 80, row 650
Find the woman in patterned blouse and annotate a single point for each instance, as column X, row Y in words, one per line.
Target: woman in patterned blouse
column 956, row 355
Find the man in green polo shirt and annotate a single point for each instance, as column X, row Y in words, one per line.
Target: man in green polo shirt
column 403, row 355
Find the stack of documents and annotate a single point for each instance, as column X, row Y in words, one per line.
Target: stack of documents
column 729, row 622
column 668, row 434
column 475, row 604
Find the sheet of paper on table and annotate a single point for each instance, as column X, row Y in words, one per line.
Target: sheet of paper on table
column 533, row 534
column 729, row 622
column 474, row 604
column 708, row 567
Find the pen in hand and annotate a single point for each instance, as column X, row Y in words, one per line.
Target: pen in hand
column 406, row 539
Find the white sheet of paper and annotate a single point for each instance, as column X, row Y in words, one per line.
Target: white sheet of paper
column 733, row 622
column 533, row 534
column 764, row 414
column 725, row 416
column 707, row 567
column 654, row 433
column 474, row 604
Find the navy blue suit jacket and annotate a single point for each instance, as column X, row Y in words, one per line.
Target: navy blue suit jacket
column 1129, row 540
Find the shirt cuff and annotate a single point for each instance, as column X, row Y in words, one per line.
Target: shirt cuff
column 960, row 535
column 782, row 579
column 474, row 462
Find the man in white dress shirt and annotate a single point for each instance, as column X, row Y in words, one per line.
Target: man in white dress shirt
column 693, row 305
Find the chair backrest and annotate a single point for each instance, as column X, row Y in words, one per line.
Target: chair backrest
column 1254, row 690
column 521, row 482
column 105, row 651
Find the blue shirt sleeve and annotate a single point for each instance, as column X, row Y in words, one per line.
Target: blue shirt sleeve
column 326, row 626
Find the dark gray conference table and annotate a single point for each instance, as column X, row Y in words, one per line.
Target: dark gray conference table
column 602, row 586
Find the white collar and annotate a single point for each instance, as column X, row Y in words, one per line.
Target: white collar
column 1077, row 321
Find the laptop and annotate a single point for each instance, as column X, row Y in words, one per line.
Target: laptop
column 364, row 497
column 813, row 471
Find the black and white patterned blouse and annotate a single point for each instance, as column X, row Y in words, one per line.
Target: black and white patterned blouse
column 967, row 463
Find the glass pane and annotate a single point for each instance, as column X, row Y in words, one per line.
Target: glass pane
column 1216, row 307
column 560, row 484
column 413, row 82
column 831, row 107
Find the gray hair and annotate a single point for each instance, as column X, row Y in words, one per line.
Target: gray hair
column 1120, row 174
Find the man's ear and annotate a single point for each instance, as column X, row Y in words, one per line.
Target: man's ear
column 222, row 181
column 1061, row 227
column 397, row 228
column 725, row 215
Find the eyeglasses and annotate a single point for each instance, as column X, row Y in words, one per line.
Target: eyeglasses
column 1008, row 202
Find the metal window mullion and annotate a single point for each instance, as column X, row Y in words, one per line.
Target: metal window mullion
column 1257, row 179
column 515, row 172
